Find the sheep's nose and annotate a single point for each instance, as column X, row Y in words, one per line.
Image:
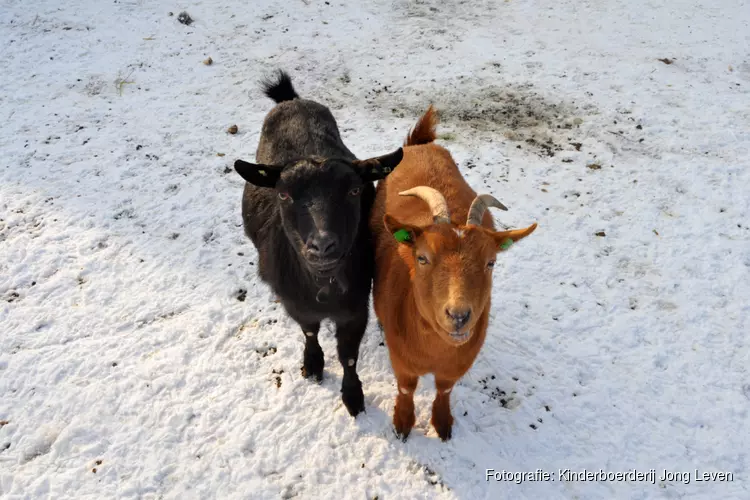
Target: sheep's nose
column 459, row 317
column 322, row 245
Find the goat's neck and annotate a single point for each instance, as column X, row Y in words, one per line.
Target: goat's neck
column 412, row 319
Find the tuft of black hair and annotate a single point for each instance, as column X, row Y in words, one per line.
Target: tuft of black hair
column 279, row 88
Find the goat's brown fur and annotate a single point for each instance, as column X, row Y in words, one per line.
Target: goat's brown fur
column 411, row 298
column 424, row 131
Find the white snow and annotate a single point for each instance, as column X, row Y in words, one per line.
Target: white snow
column 124, row 347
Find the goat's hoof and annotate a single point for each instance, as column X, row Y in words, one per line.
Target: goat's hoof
column 403, row 436
column 312, row 367
column 315, row 373
column 444, row 429
column 354, row 399
column 402, row 425
column 445, row 433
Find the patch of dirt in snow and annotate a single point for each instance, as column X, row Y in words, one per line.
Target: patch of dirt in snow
column 94, row 86
column 515, row 112
column 507, row 399
column 430, row 476
column 518, row 113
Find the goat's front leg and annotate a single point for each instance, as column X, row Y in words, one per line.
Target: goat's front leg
column 442, row 420
column 348, row 337
column 313, row 362
column 403, row 413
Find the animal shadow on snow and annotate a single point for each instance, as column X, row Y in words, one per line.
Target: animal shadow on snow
column 488, row 420
column 494, row 410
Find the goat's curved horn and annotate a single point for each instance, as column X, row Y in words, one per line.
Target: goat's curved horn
column 481, row 203
column 434, row 199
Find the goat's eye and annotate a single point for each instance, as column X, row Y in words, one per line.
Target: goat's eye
column 284, row 196
column 491, row 264
column 422, row 260
column 355, row 191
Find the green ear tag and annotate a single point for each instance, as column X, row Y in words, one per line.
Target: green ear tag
column 263, row 173
column 402, row 235
column 507, row 242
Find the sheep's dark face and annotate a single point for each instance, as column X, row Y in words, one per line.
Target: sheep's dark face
column 320, row 202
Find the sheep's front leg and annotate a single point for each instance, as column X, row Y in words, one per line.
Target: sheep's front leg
column 313, row 362
column 403, row 413
column 442, row 420
column 348, row 338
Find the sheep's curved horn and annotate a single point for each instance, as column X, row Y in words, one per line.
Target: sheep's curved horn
column 434, row 199
column 481, row 203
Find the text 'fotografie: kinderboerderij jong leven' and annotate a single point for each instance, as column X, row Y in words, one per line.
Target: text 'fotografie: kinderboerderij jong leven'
column 650, row 475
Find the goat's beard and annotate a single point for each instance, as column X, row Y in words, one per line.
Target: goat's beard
column 337, row 281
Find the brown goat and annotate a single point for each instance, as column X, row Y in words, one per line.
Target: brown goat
column 435, row 247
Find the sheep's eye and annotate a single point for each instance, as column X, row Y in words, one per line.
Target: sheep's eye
column 491, row 264
column 422, row 259
column 355, row 191
column 284, row 196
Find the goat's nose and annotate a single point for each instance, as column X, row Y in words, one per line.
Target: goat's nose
column 459, row 316
column 322, row 245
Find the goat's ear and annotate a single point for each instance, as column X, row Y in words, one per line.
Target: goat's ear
column 374, row 169
column 403, row 233
column 258, row 174
column 504, row 239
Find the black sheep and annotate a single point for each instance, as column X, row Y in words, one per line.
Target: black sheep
column 306, row 207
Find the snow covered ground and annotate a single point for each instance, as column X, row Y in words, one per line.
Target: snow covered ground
column 140, row 357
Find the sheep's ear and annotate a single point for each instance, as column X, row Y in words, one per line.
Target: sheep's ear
column 374, row 169
column 258, row 174
column 504, row 239
column 403, row 233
